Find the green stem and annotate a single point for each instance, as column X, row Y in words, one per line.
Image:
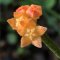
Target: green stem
column 51, row 45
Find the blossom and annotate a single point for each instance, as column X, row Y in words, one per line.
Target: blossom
column 19, row 24
column 33, row 11
column 24, row 22
column 33, row 36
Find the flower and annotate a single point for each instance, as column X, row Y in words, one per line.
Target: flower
column 20, row 11
column 33, row 36
column 33, row 11
column 19, row 24
column 24, row 22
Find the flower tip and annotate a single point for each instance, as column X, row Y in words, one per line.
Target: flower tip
column 22, row 8
column 45, row 28
column 21, row 46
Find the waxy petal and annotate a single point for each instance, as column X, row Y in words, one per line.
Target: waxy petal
column 41, row 30
column 34, row 11
column 21, row 24
column 16, row 14
column 31, row 25
column 12, row 23
column 21, row 31
column 25, row 41
column 37, row 42
column 22, row 8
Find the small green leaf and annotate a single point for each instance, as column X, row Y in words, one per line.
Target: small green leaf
column 49, row 3
column 5, row 2
column 12, row 38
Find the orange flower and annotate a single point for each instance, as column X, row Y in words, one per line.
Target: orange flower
column 21, row 11
column 33, row 36
column 29, row 31
column 24, row 22
column 33, row 11
column 19, row 24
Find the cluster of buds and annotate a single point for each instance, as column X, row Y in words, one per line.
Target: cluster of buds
column 24, row 22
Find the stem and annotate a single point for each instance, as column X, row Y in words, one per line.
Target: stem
column 51, row 45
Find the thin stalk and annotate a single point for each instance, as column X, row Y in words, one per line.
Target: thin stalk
column 51, row 45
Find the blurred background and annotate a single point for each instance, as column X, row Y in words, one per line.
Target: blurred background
column 10, row 40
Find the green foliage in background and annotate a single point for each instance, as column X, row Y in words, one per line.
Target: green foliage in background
column 6, row 2
column 49, row 3
column 12, row 38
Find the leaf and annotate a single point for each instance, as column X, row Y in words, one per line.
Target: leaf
column 5, row 2
column 12, row 38
column 51, row 45
column 49, row 3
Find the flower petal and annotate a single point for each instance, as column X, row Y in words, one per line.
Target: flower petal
column 34, row 11
column 12, row 22
column 16, row 14
column 22, row 8
column 21, row 31
column 21, row 11
column 25, row 41
column 37, row 42
column 31, row 25
column 41, row 30
column 21, row 24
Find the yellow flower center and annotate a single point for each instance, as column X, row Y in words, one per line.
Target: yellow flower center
column 18, row 21
column 30, row 33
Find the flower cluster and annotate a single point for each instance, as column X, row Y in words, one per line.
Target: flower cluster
column 24, row 22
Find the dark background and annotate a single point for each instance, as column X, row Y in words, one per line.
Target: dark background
column 10, row 40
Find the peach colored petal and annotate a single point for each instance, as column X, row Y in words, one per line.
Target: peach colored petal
column 37, row 42
column 16, row 14
column 35, row 34
column 21, row 31
column 25, row 41
column 22, row 8
column 12, row 22
column 34, row 11
column 21, row 24
column 31, row 25
column 41, row 30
